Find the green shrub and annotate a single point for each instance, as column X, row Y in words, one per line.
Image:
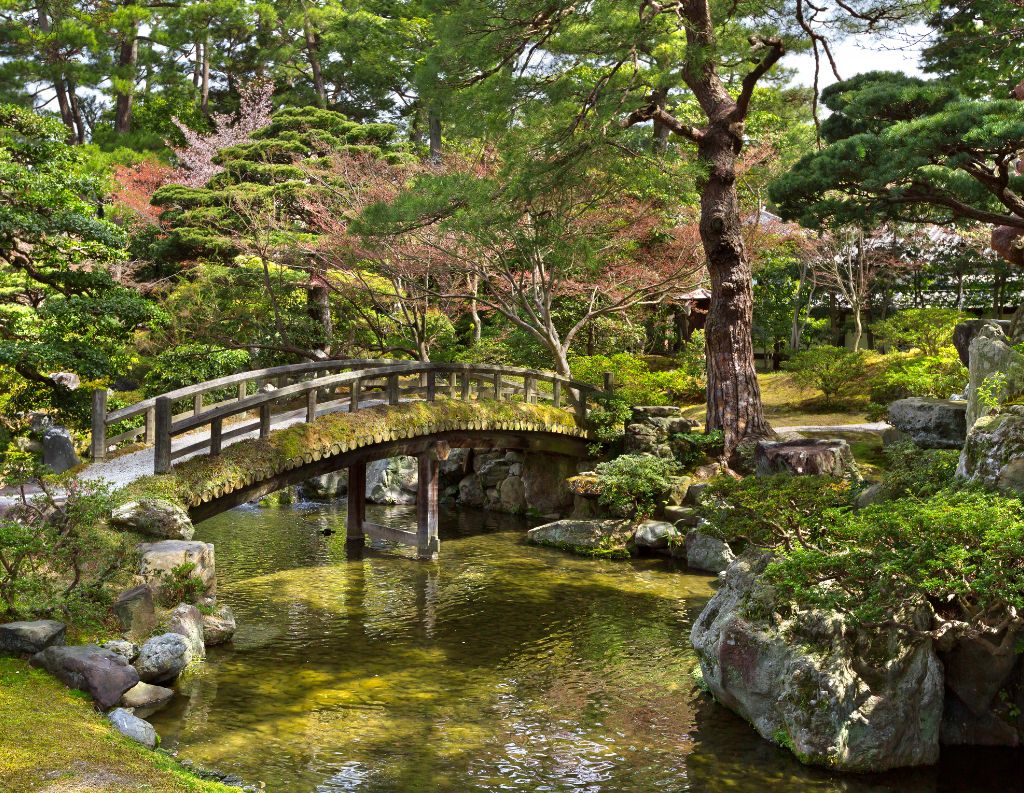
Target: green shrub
column 913, row 471
column 634, row 483
column 189, row 364
column 608, row 420
column 837, row 372
column 901, row 376
column 181, row 585
column 959, row 550
column 56, row 556
column 926, row 329
column 693, row 448
column 775, row 511
column 635, row 383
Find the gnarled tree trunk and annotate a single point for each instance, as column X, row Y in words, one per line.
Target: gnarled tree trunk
column 734, row 396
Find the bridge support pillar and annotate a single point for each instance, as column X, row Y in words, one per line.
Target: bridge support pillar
column 354, row 539
column 428, row 544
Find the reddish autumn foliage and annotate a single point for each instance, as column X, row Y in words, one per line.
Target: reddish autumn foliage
column 136, row 185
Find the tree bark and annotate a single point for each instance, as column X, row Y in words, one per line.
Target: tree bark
column 659, row 139
column 434, row 127
column 128, row 56
column 312, row 47
column 734, row 395
column 204, row 99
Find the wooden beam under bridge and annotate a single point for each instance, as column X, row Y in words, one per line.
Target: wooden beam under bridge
column 425, row 539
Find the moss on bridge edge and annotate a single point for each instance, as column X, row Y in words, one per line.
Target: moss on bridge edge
column 204, row 478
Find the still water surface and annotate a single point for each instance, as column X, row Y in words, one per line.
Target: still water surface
column 503, row 667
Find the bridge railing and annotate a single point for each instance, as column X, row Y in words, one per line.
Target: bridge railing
column 304, row 391
column 194, row 399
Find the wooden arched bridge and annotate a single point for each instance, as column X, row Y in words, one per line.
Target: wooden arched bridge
column 240, row 437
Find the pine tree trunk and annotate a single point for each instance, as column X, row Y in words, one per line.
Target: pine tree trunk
column 734, row 396
column 128, row 56
column 204, row 100
column 312, row 45
column 434, row 127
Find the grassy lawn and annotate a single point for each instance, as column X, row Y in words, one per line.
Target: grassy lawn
column 787, row 405
column 52, row 740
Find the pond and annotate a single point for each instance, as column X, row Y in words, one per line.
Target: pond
column 502, row 667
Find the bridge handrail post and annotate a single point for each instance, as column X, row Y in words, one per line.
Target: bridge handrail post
column 431, row 385
column 150, row 426
column 99, row 424
column 392, row 389
column 556, row 392
column 162, row 442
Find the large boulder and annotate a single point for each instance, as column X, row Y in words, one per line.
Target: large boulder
column 219, row 627
column 808, row 681
column 186, row 620
column 964, row 333
column 162, row 658
column 158, row 559
column 806, row 457
column 471, row 492
column 512, row 493
column 704, row 552
column 135, row 610
column 585, row 537
column 326, row 486
column 931, row 423
column 29, row 638
column 991, row 353
column 103, row 674
column 544, row 481
column 59, row 450
column 131, row 726
column 393, row 480
column 994, row 452
column 153, row 517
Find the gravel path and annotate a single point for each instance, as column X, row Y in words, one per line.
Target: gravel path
column 867, row 428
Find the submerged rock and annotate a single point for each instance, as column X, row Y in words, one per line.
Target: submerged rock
column 807, row 683
column 655, row 535
column 219, row 627
column 131, row 726
column 585, row 537
column 28, row 638
column 153, row 517
column 145, row 699
column 101, row 673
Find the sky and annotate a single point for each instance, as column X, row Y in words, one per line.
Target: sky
column 868, row 54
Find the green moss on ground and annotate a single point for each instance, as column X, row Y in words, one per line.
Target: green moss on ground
column 256, row 460
column 51, row 739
